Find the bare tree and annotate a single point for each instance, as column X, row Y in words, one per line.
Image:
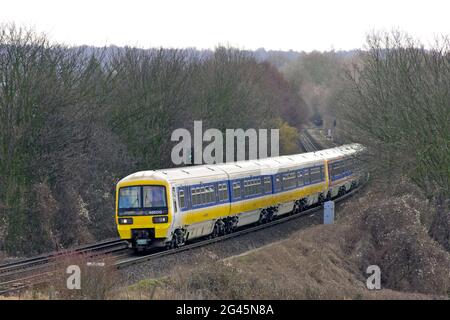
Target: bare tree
column 397, row 102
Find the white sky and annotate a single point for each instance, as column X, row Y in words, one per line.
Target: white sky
column 247, row 24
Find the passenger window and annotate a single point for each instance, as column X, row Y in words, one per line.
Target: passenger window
column 278, row 183
column 306, row 177
column 223, row 194
column 236, row 190
column 193, row 196
column 300, row 178
column 212, row 194
column 267, row 185
column 181, row 199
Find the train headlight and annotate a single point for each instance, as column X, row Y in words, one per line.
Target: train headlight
column 125, row 220
column 160, row 219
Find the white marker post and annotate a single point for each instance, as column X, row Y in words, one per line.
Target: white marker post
column 328, row 212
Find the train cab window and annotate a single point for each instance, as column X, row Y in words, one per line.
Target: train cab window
column 154, row 197
column 140, row 200
column 130, row 197
column 267, row 185
column 236, row 190
column 181, row 199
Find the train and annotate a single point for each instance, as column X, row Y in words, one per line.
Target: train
column 170, row 207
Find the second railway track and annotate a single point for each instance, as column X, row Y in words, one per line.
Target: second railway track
column 307, row 142
column 24, row 273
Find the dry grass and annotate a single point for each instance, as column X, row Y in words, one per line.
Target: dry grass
column 321, row 262
column 97, row 280
column 328, row 261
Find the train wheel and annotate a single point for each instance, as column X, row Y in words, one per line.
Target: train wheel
column 266, row 216
column 216, row 231
column 178, row 240
column 321, row 199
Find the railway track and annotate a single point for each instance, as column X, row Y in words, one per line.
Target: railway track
column 307, row 142
column 24, row 273
column 45, row 258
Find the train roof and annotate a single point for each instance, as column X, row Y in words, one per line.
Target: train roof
column 203, row 173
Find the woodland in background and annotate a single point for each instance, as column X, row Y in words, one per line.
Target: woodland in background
column 73, row 121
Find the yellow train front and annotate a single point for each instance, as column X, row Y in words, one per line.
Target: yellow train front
column 143, row 211
column 172, row 206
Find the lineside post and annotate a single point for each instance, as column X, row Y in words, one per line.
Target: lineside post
column 328, row 212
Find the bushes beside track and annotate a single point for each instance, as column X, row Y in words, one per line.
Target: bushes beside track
column 330, row 262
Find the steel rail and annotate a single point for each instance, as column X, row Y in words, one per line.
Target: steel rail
column 42, row 259
column 307, row 142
